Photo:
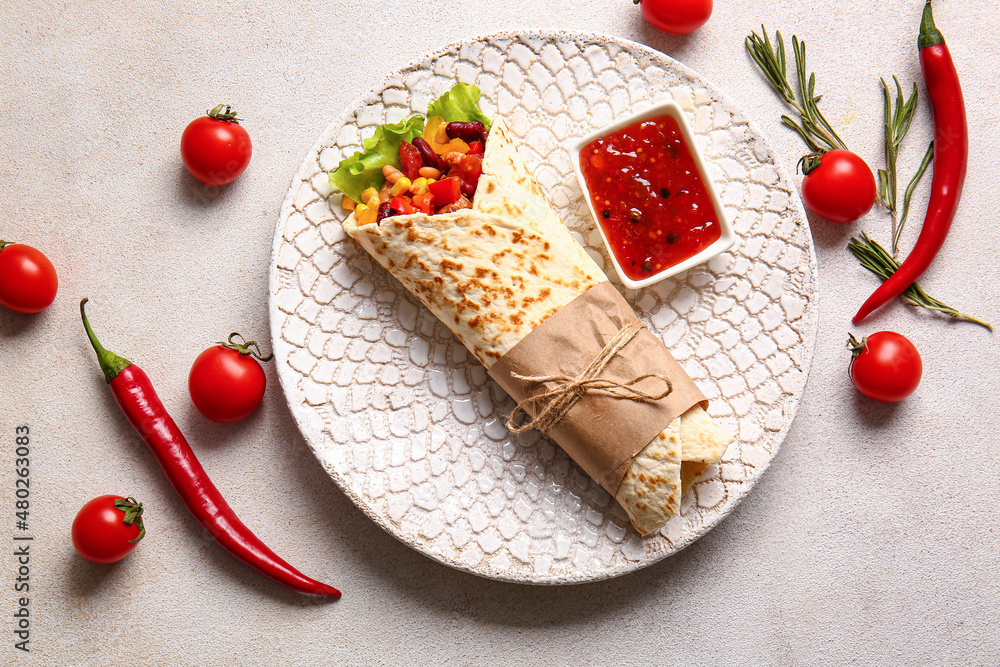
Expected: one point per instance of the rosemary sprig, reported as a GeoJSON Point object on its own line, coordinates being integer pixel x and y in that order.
{"type": "Point", "coordinates": [897, 119]}
{"type": "Point", "coordinates": [897, 122]}
{"type": "Point", "coordinates": [876, 259]}
{"type": "Point", "coordinates": [813, 127]}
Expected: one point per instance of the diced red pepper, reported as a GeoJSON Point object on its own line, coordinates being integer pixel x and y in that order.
{"type": "Point", "coordinates": [401, 206]}
{"type": "Point", "coordinates": [475, 148]}
{"type": "Point", "coordinates": [410, 158]}
{"type": "Point", "coordinates": [445, 191]}
{"type": "Point", "coordinates": [424, 202]}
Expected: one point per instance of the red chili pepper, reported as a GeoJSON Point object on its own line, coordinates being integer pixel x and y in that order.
{"type": "Point", "coordinates": [138, 401]}
{"type": "Point", "coordinates": [951, 153]}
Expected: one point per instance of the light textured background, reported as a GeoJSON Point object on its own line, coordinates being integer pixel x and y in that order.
{"type": "Point", "coordinates": [871, 539]}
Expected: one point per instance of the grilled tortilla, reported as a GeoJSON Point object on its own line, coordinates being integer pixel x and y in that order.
{"type": "Point", "coordinates": [493, 273]}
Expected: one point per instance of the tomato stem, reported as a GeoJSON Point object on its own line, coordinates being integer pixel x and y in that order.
{"type": "Point", "coordinates": [245, 346]}
{"type": "Point", "coordinates": [4, 244]}
{"type": "Point", "coordinates": [856, 347]}
{"type": "Point", "coordinates": [228, 115]}
{"type": "Point", "coordinates": [133, 515]}
{"type": "Point", "coordinates": [809, 163]}
{"type": "Point", "coordinates": [111, 363]}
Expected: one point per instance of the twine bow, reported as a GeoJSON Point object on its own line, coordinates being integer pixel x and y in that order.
{"type": "Point", "coordinates": [568, 390]}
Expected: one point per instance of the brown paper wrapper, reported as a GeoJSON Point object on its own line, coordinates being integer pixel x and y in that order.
{"type": "Point", "coordinates": [602, 433]}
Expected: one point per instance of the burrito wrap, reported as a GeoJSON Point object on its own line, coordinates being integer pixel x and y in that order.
{"type": "Point", "coordinates": [494, 273]}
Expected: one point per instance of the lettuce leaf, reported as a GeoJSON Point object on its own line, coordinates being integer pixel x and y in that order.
{"type": "Point", "coordinates": [363, 170]}
{"type": "Point", "coordinates": [461, 103]}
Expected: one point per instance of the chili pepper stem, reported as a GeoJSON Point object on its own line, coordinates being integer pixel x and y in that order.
{"type": "Point", "coordinates": [111, 363]}
{"type": "Point", "coordinates": [929, 34]}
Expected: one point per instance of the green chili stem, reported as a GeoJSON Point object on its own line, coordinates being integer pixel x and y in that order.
{"type": "Point", "coordinates": [111, 363]}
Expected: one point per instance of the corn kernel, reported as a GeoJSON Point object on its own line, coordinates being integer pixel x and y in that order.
{"type": "Point", "coordinates": [400, 186]}
{"type": "Point", "coordinates": [359, 210]}
{"type": "Point", "coordinates": [347, 203]}
{"type": "Point", "coordinates": [367, 193]}
{"type": "Point", "coordinates": [373, 201]}
{"type": "Point", "coordinates": [431, 180]}
{"type": "Point", "coordinates": [368, 216]}
{"type": "Point", "coordinates": [419, 186]}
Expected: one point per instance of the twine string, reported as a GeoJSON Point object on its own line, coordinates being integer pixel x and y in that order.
{"type": "Point", "coordinates": [556, 402]}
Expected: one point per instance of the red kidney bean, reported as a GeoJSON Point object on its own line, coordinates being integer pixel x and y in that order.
{"type": "Point", "coordinates": [426, 152]}
{"type": "Point", "coordinates": [468, 189]}
{"type": "Point", "coordinates": [469, 131]}
{"type": "Point", "coordinates": [384, 211]}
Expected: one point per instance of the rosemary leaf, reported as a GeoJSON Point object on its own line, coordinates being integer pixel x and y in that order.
{"type": "Point", "coordinates": [876, 259]}
{"type": "Point", "coordinates": [909, 193]}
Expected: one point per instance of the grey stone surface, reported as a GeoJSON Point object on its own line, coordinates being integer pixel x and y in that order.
{"type": "Point", "coordinates": [871, 539]}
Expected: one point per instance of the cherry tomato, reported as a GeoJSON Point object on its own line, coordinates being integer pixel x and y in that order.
{"type": "Point", "coordinates": [841, 188]}
{"type": "Point", "coordinates": [678, 17]}
{"type": "Point", "coordinates": [226, 382]}
{"type": "Point", "coordinates": [107, 528]}
{"type": "Point", "coordinates": [885, 366]}
{"type": "Point", "coordinates": [469, 169]}
{"type": "Point", "coordinates": [215, 148]}
{"type": "Point", "coordinates": [28, 280]}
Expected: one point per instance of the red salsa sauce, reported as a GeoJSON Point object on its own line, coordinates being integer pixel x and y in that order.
{"type": "Point", "coordinates": [650, 199]}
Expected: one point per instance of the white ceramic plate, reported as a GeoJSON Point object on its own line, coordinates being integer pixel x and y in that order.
{"type": "Point", "coordinates": [408, 424]}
